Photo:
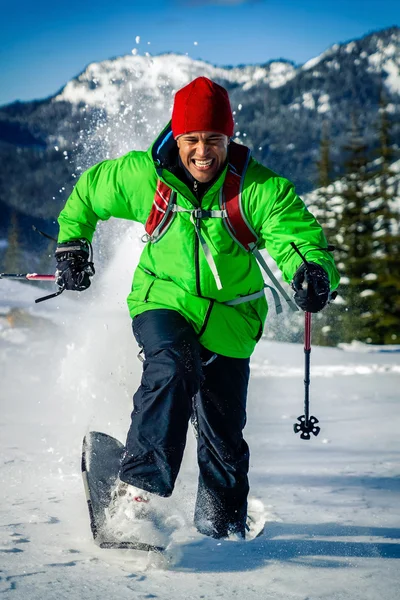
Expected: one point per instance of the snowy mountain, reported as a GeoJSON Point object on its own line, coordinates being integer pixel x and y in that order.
{"type": "Point", "coordinates": [121, 104]}
{"type": "Point", "coordinates": [107, 84]}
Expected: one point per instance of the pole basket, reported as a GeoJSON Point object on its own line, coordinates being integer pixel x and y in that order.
{"type": "Point", "coordinates": [306, 428]}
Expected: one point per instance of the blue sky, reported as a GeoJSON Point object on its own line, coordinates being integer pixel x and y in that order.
{"type": "Point", "coordinates": [44, 44]}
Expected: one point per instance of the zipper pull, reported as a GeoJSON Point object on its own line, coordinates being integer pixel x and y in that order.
{"type": "Point", "coordinates": [195, 187]}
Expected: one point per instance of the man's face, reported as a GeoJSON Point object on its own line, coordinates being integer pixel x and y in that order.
{"type": "Point", "coordinates": [203, 153]}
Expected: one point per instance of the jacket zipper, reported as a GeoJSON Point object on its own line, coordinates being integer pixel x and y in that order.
{"type": "Point", "coordinates": [197, 264]}
{"type": "Point", "coordinates": [207, 318]}
{"type": "Point", "coordinates": [196, 249]}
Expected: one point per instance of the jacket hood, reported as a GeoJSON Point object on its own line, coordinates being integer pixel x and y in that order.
{"type": "Point", "coordinates": [164, 150]}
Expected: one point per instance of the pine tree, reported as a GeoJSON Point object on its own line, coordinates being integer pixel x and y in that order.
{"type": "Point", "coordinates": [384, 318]}
{"type": "Point", "coordinates": [355, 237]}
{"type": "Point", "coordinates": [326, 204]}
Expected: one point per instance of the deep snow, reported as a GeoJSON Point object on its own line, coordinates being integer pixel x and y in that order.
{"type": "Point", "coordinates": [333, 502]}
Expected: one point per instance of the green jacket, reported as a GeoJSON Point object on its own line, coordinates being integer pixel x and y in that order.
{"type": "Point", "coordinates": [173, 272]}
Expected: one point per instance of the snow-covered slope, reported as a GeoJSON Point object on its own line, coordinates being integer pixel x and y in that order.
{"type": "Point", "coordinates": [112, 82]}
{"type": "Point", "coordinates": [387, 58]}
{"type": "Point", "coordinates": [380, 54]}
{"type": "Point", "coordinates": [333, 502]}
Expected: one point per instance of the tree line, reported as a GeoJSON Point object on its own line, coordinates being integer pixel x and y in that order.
{"type": "Point", "coordinates": [360, 213]}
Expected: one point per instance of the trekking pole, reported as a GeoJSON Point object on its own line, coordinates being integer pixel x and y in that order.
{"type": "Point", "coordinates": [306, 424]}
{"type": "Point", "coordinates": [28, 276]}
{"type": "Point", "coordinates": [34, 277]}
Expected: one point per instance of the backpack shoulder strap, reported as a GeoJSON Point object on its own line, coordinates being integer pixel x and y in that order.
{"type": "Point", "coordinates": [161, 213]}
{"type": "Point", "coordinates": [238, 226]}
{"type": "Point", "coordinates": [231, 199]}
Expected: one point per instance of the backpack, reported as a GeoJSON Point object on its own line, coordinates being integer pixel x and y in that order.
{"type": "Point", "coordinates": [164, 209]}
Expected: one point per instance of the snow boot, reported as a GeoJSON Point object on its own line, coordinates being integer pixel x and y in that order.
{"type": "Point", "coordinates": [131, 516]}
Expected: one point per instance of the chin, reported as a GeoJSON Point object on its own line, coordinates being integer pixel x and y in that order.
{"type": "Point", "coordinates": [203, 177]}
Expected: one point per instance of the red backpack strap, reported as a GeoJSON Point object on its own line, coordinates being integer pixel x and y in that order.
{"type": "Point", "coordinates": [239, 227]}
{"type": "Point", "coordinates": [231, 201]}
{"type": "Point", "coordinates": [161, 214]}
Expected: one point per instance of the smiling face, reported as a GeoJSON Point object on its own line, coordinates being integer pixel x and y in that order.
{"type": "Point", "coordinates": [203, 153]}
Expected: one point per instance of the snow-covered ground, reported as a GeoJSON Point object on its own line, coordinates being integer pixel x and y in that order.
{"type": "Point", "coordinates": [333, 501]}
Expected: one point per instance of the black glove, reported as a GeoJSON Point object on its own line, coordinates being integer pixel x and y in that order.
{"type": "Point", "coordinates": [311, 284]}
{"type": "Point", "coordinates": [74, 265]}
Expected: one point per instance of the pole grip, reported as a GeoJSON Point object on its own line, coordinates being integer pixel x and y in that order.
{"type": "Point", "coordinates": [36, 277]}
{"type": "Point", "coordinates": [28, 276]}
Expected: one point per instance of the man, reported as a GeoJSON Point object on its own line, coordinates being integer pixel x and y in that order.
{"type": "Point", "coordinates": [197, 300]}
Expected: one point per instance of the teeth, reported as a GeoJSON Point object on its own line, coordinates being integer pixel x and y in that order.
{"type": "Point", "coordinates": [203, 163]}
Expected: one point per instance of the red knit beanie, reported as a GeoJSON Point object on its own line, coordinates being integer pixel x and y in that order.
{"type": "Point", "coordinates": [202, 105]}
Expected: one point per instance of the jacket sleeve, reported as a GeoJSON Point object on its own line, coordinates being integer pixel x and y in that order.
{"type": "Point", "coordinates": [113, 188]}
{"type": "Point", "coordinates": [280, 217]}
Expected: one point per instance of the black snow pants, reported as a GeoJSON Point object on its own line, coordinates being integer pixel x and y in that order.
{"type": "Point", "coordinates": [178, 385]}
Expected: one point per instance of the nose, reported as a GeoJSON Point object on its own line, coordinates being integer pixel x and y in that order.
{"type": "Point", "coordinates": [201, 149]}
